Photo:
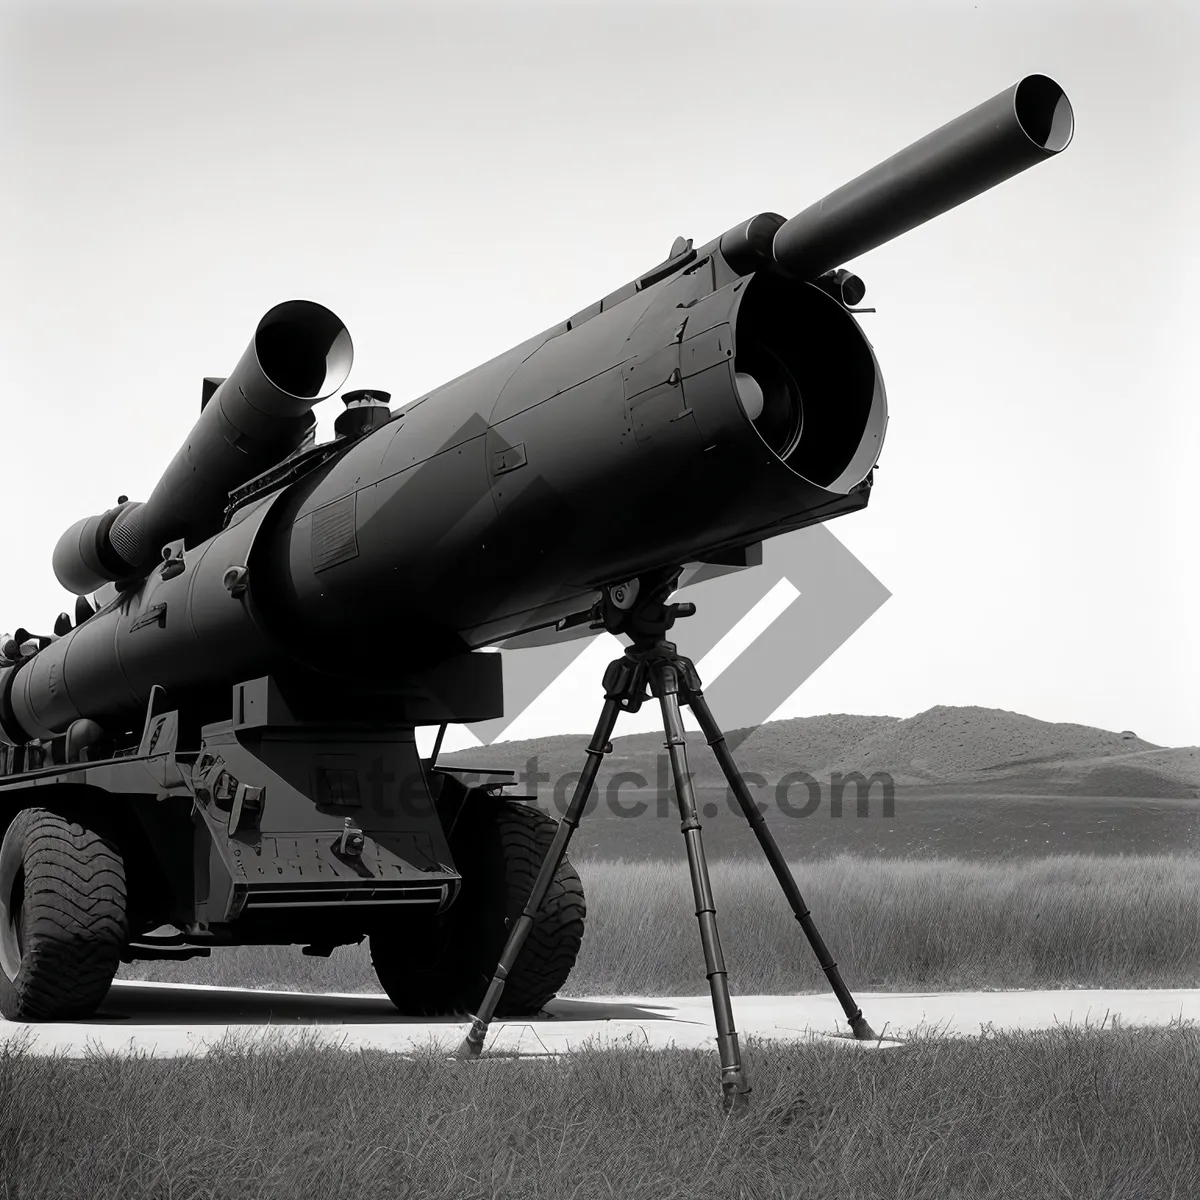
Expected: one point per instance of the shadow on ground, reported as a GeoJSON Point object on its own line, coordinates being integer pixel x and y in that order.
{"type": "Point", "coordinates": [181, 1004]}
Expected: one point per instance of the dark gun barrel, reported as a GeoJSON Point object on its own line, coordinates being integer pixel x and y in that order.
{"type": "Point", "coordinates": [1029, 122]}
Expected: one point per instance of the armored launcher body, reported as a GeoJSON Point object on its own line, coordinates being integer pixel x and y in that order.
{"type": "Point", "coordinates": [223, 740]}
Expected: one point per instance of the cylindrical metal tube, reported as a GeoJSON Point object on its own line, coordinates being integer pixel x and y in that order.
{"type": "Point", "coordinates": [184, 631]}
{"type": "Point", "coordinates": [1029, 122]}
{"type": "Point", "coordinates": [300, 354]}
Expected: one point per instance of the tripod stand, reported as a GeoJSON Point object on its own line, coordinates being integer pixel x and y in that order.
{"type": "Point", "coordinates": [638, 608]}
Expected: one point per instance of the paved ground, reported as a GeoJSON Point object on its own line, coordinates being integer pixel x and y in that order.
{"type": "Point", "coordinates": [169, 1019]}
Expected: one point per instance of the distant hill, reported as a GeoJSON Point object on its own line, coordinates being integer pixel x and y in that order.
{"type": "Point", "coordinates": [965, 749]}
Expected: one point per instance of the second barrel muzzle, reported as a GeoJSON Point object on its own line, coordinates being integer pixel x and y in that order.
{"type": "Point", "coordinates": [1029, 122]}
{"type": "Point", "coordinates": [300, 354]}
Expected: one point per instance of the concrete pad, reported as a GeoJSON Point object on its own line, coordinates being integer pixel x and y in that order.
{"type": "Point", "coordinates": [172, 1019]}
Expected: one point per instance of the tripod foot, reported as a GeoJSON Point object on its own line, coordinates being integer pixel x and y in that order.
{"type": "Point", "coordinates": [472, 1044]}
{"type": "Point", "coordinates": [861, 1030]}
{"type": "Point", "coordinates": [735, 1097]}
{"type": "Point", "coordinates": [766, 840]}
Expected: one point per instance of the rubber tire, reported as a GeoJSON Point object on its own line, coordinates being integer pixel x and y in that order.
{"type": "Point", "coordinates": [72, 917]}
{"type": "Point", "coordinates": [441, 966]}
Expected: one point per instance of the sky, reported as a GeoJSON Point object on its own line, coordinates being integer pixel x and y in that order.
{"type": "Point", "coordinates": [452, 180]}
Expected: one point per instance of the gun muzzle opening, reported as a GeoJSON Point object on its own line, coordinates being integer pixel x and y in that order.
{"type": "Point", "coordinates": [1044, 113]}
{"type": "Point", "coordinates": [807, 380]}
{"type": "Point", "coordinates": [1017, 128]}
{"type": "Point", "coordinates": [303, 350]}
{"type": "Point", "coordinates": [300, 353]}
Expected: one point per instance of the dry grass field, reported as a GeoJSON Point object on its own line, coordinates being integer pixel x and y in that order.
{"type": "Point", "coordinates": [1065, 1114]}
{"type": "Point", "coordinates": [1058, 1115]}
{"type": "Point", "coordinates": [892, 925]}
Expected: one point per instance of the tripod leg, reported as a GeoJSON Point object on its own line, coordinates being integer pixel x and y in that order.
{"type": "Point", "coordinates": [734, 1087]}
{"type": "Point", "coordinates": [716, 739]}
{"type": "Point", "coordinates": [597, 748]}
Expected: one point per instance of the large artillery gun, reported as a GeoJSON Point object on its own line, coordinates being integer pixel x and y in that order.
{"type": "Point", "coordinates": [222, 740]}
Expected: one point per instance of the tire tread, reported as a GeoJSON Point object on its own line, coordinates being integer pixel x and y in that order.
{"type": "Point", "coordinates": [75, 918]}
{"type": "Point", "coordinates": [550, 950]}
{"type": "Point", "coordinates": [499, 872]}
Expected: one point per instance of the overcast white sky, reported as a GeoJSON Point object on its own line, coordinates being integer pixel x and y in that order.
{"type": "Point", "coordinates": [452, 180]}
